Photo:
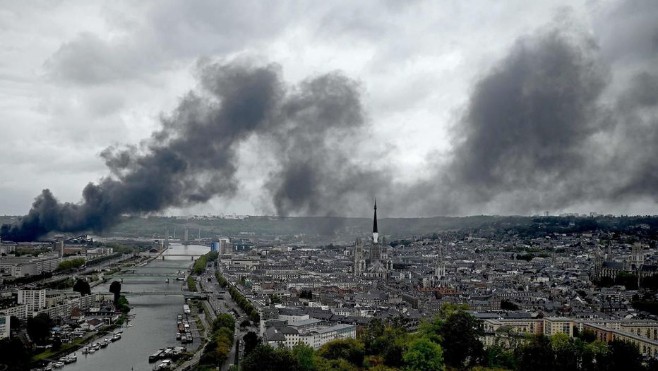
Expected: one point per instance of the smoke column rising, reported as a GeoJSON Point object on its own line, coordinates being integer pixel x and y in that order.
{"type": "Point", "coordinates": [193, 157]}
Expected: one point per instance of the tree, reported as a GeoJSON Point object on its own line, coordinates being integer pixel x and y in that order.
{"type": "Point", "coordinates": [350, 350]}
{"type": "Point", "coordinates": [115, 288]}
{"type": "Point", "coordinates": [275, 299]}
{"type": "Point", "coordinates": [423, 355]}
{"type": "Point", "coordinates": [70, 264]}
{"type": "Point", "coordinates": [266, 358]}
{"type": "Point", "coordinates": [385, 341]}
{"type": "Point", "coordinates": [251, 341]}
{"type": "Point", "coordinates": [82, 287]}
{"type": "Point", "coordinates": [373, 332]}
{"type": "Point", "coordinates": [499, 357]}
{"type": "Point", "coordinates": [223, 320]}
{"type": "Point", "coordinates": [432, 329]}
{"type": "Point", "coordinates": [460, 343]}
{"type": "Point", "coordinates": [536, 355]}
{"type": "Point", "coordinates": [624, 356]}
{"type": "Point", "coordinates": [38, 327]}
{"type": "Point", "coordinates": [14, 354]}
{"type": "Point", "coordinates": [595, 354]}
{"type": "Point", "coordinates": [57, 343]}
{"type": "Point", "coordinates": [335, 365]}
{"type": "Point", "coordinates": [448, 309]}
{"type": "Point", "coordinates": [224, 340]}
{"type": "Point", "coordinates": [212, 256]}
{"type": "Point", "coordinates": [567, 352]}
{"type": "Point", "coordinates": [122, 305]}
{"type": "Point", "coordinates": [305, 356]}
{"type": "Point", "coordinates": [14, 323]}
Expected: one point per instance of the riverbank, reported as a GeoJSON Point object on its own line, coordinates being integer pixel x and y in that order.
{"type": "Point", "coordinates": [40, 360]}
{"type": "Point", "coordinates": [50, 356]}
{"type": "Point", "coordinates": [155, 304]}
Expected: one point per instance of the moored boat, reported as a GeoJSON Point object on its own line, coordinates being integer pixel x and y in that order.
{"type": "Point", "coordinates": [155, 356]}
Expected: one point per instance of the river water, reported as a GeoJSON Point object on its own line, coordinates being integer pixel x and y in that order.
{"type": "Point", "coordinates": [154, 323]}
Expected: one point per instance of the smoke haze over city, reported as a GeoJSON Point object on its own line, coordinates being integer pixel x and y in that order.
{"type": "Point", "coordinates": [249, 108]}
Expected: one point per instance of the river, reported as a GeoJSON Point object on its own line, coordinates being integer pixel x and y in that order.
{"type": "Point", "coordinates": [154, 322]}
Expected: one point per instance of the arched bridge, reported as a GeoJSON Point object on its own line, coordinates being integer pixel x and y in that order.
{"type": "Point", "coordinates": [134, 273]}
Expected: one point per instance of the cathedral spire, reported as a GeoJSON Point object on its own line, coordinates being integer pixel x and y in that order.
{"type": "Point", "coordinates": [375, 234]}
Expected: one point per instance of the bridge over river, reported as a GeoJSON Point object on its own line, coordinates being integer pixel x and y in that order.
{"type": "Point", "coordinates": [186, 294]}
{"type": "Point", "coordinates": [134, 273]}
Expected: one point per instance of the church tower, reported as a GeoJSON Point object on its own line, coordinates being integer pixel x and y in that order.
{"type": "Point", "coordinates": [598, 263]}
{"type": "Point", "coordinates": [375, 248]}
{"type": "Point", "coordinates": [440, 268]}
{"type": "Point", "coordinates": [375, 233]}
{"type": "Point", "coordinates": [637, 256]}
{"type": "Point", "coordinates": [359, 258]}
{"type": "Point", "coordinates": [379, 264]}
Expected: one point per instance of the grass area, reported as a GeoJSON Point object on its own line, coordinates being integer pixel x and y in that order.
{"type": "Point", "coordinates": [199, 325]}
{"type": "Point", "coordinates": [206, 311]}
{"type": "Point", "coordinates": [65, 349]}
{"type": "Point", "coordinates": [77, 343]}
{"type": "Point", "coordinates": [191, 283]}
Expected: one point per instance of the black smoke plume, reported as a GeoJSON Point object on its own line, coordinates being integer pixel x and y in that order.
{"type": "Point", "coordinates": [529, 120]}
{"type": "Point", "coordinates": [193, 157]}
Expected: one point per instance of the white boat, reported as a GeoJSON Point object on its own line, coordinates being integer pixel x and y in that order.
{"type": "Point", "coordinates": [69, 359]}
{"type": "Point", "coordinates": [58, 364]}
{"type": "Point", "coordinates": [164, 365]}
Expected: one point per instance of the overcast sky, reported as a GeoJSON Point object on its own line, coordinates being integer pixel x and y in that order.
{"type": "Point", "coordinates": [450, 107]}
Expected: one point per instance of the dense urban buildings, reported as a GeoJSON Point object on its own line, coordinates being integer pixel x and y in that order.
{"type": "Point", "coordinates": [551, 278]}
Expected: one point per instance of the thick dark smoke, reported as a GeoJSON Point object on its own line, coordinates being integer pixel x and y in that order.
{"type": "Point", "coordinates": [562, 120]}
{"type": "Point", "coordinates": [193, 157]}
{"type": "Point", "coordinates": [320, 130]}
{"type": "Point", "coordinates": [190, 160]}
{"type": "Point", "coordinates": [528, 120]}
{"type": "Point", "coordinates": [568, 118]}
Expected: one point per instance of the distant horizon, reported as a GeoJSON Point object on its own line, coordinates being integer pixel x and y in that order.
{"type": "Point", "coordinates": [229, 216]}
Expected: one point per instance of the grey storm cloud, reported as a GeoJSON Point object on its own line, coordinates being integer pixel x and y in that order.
{"type": "Point", "coordinates": [89, 60]}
